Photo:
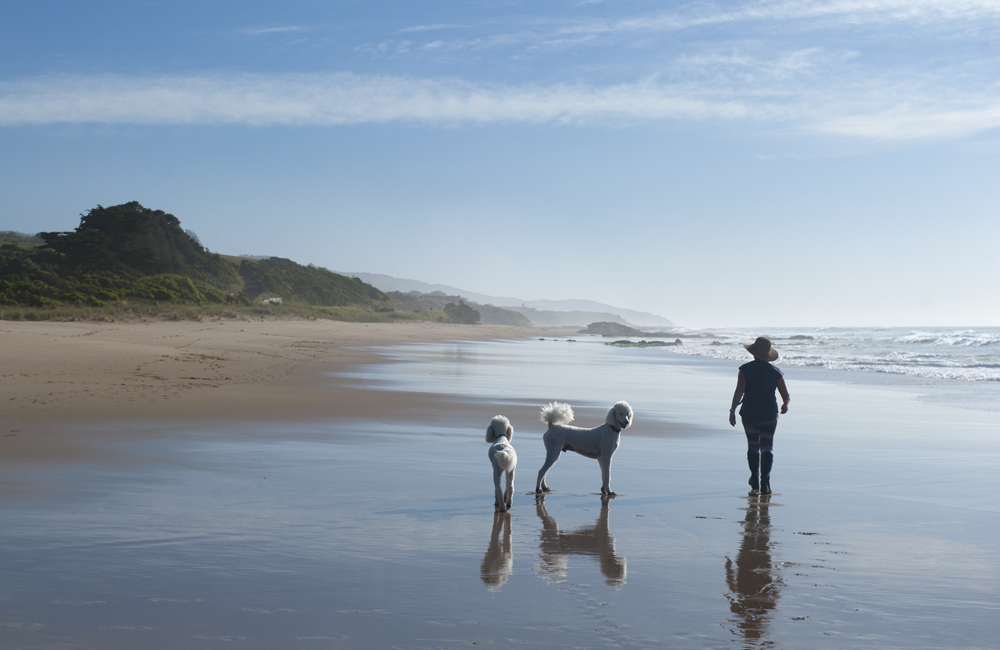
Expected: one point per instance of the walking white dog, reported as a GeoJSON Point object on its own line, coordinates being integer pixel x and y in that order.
{"type": "Point", "coordinates": [599, 443]}
{"type": "Point", "coordinates": [503, 458]}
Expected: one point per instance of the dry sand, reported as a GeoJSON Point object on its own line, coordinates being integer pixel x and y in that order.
{"type": "Point", "coordinates": [59, 376]}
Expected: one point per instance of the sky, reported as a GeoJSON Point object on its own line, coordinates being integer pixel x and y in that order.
{"type": "Point", "coordinates": [758, 163]}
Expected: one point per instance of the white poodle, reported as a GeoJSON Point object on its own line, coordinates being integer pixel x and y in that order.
{"type": "Point", "coordinates": [503, 459]}
{"type": "Point", "coordinates": [599, 442]}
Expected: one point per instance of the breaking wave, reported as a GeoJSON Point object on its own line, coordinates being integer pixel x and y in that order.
{"type": "Point", "coordinates": [962, 354]}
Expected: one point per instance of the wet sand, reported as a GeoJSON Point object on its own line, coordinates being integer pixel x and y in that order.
{"type": "Point", "coordinates": [366, 519]}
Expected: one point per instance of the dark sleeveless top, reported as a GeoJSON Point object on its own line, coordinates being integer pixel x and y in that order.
{"type": "Point", "coordinates": [759, 403]}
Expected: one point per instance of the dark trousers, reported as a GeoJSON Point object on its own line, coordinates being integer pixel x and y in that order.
{"type": "Point", "coordinates": [760, 455]}
{"type": "Point", "coordinates": [760, 434]}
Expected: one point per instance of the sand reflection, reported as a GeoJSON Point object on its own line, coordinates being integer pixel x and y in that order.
{"type": "Point", "coordinates": [556, 546]}
{"type": "Point", "coordinates": [753, 584]}
{"type": "Point", "coordinates": [498, 563]}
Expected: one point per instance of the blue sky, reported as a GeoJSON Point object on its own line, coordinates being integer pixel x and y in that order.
{"type": "Point", "coordinates": [761, 163]}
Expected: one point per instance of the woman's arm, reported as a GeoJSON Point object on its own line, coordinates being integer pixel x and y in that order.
{"type": "Point", "coordinates": [741, 386]}
{"type": "Point", "coordinates": [783, 391]}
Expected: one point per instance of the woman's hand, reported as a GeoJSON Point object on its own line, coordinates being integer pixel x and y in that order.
{"type": "Point", "coordinates": [732, 417]}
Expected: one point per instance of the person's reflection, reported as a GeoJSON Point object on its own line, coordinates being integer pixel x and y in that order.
{"type": "Point", "coordinates": [753, 585]}
{"type": "Point", "coordinates": [499, 560]}
{"type": "Point", "coordinates": [556, 546]}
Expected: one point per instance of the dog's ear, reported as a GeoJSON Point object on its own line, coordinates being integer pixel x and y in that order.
{"type": "Point", "coordinates": [490, 436]}
{"type": "Point", "coordinates": [612, 418]}
{"type": "Point", "coordinates": [510, 433]}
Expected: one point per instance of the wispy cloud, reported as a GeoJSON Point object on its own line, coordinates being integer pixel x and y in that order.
{"type": "Point", "coordinates": [346, 99]}
{"type": "Point", "coordinates": [263, 31]}
{"type": "Point", "coordinates": [914, 124]}
{"type": "Point", "coordinates": [307, 99]}
{"type": "Point", "coordinates": [856, 12]}
{"type": "Point", "coordinates": [831, 85]}
{"type": "Point", "coordinates": [426, 28]}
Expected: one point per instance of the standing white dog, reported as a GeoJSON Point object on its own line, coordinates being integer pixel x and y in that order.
{"type": "Point", "coordinates": [599, 443]}
{"type": "Point", "coordinates": [503, 458]}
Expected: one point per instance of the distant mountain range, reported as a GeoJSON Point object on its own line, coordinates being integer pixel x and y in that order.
{"type": "Point", "coordinates": [543, 313]}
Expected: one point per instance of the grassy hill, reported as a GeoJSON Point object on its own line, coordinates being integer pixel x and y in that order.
{"type": "Point", "coordinates": [130, 260]}
{"type": "Point", "coordinates": [488, 314]}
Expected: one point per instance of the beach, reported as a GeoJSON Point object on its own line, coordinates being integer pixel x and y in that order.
{"type": "Point", "coordinates": [283, 484]}
{"type": "Point", "coordinates": [58, 375]}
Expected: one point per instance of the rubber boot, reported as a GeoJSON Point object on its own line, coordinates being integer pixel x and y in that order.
{"type": "Point", "coordinates": [753, 460]}
{"type": "Point", "coordinates": [766, 460]}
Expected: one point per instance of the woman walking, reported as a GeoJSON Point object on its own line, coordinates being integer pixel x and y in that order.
{"type": "Point", "coordinates": [755, 388]}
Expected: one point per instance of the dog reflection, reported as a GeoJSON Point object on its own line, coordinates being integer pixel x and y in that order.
{"type": "Point", "coordinates": [499, 561]}
{"type": "Point", "coordinates": [753, 584]}
{"type": "Point", "coordinates": [593, 541]}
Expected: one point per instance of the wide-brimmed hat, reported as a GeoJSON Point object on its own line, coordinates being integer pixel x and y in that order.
{"type": "Point", "coordinates": [761, 349]}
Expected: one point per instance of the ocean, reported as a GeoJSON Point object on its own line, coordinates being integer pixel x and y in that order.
{"type": "Point", "coordinates": [961, 354]}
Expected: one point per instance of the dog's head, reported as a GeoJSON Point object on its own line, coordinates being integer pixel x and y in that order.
{"type": "Point", "coordinates": [499, 426]}
{"type": "Point", "coordinates": [620, 416]}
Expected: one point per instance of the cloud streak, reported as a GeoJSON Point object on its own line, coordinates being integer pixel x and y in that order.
{"type": "Point", "coordinates": [844, 12]}
{"type": "Point", "coordinates": [334, 99]}
{"type": "Point", "coordinates": [264, 31]}
{"type": "Point", "coordinates": [348, 99]}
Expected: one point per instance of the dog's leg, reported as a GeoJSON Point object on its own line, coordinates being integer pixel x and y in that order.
{"type": "Point", "coordinates": [508, 494]}
{"type": "Point", "coordinates": [551, 456]}
{"type": "Point", "coordinates": [605, 462]}
{"type": "Point", "coordinates": [499, 499]}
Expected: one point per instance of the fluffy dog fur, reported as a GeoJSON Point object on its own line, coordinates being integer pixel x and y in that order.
{"type": "Point", "coordinates": [503, 458]}
{"type": "Point", "coordinates": [599, 443]}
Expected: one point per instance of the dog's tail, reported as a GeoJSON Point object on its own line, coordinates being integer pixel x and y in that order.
{"type": "Point", "coordinates": [499, 426]}
{"type": "Point", "coordinates": [507, 459]}
{"type": "Point", "coordinates": [557, 413]}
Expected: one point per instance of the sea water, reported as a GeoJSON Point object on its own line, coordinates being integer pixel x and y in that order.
{"type": "Point", "coordinates": [381, 532]}
{"type": "Point", "coordinates": [950, 353]}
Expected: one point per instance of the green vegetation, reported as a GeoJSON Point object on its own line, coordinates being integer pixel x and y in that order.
{"type": "Point", "coordinates": [461, 313]}
{"type": "Point", "coordinates": [293, 282]}
{"type": "Point", "coordinates": [10, 237]}
{"type": "Point", "coordinates": [122, 253]}
{"type": "Point", "coordinates": [438, 301]}
{"type": "Point", "coordinates": [127, 261]}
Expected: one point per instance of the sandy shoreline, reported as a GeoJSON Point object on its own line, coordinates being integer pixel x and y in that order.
{"type": "Point", "coordinates": [60, 376]}
{"type": "Point", "coordinates": [174, 484]}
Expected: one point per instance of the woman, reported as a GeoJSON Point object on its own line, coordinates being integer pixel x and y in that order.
{"type": "Point", "coordinates": [755, 387]}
